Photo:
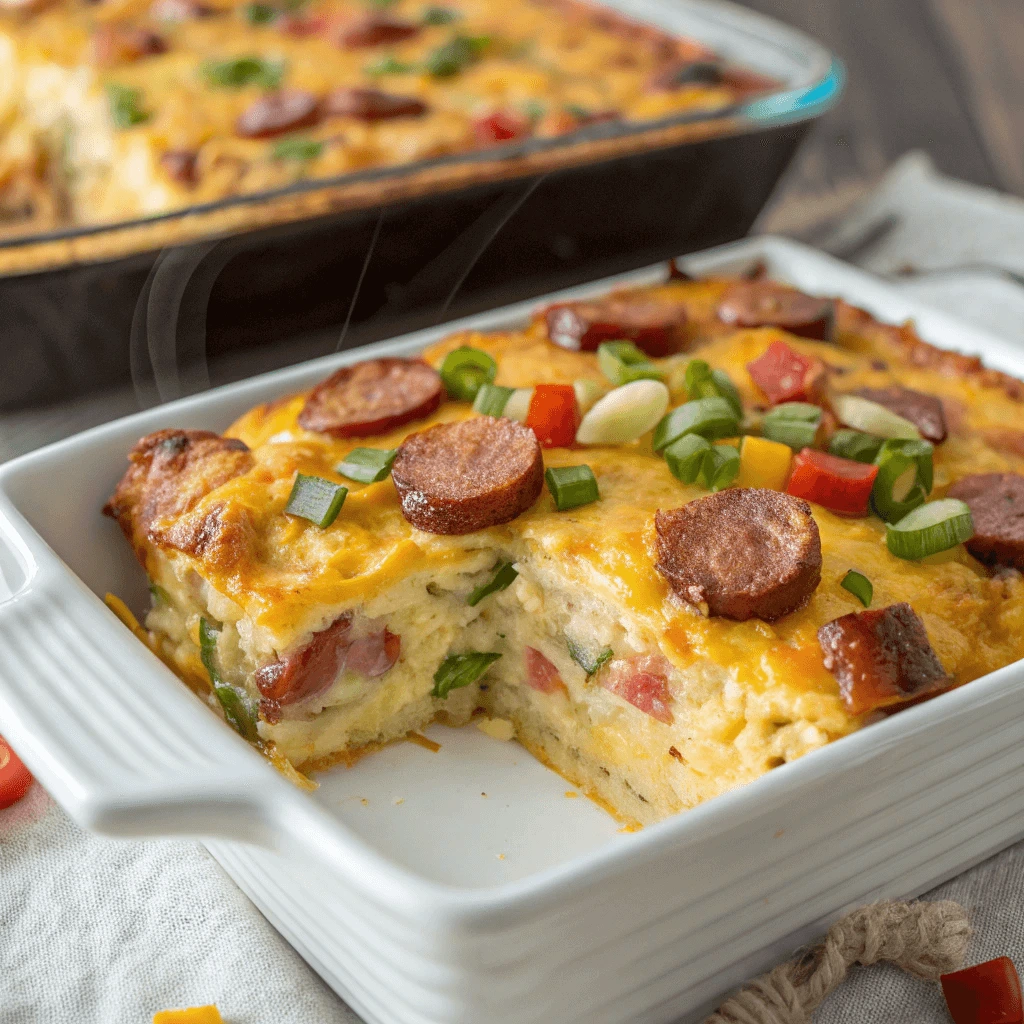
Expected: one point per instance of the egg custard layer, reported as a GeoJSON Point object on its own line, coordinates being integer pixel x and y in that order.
{"type": "Point", "coordinates": [638, 696]}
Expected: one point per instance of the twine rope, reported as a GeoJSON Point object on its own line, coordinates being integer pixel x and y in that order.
{"type": "Point", "coordinates": [924, 939]}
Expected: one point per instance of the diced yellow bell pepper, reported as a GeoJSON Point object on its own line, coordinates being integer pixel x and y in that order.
{"type": "Point", "coordinates": [196, 1015]}
{"type": "Point", "coordinates": [764, 463]}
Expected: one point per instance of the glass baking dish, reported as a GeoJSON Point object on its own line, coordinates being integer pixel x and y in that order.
{"type": "Point", "coordinates": [403, 247]}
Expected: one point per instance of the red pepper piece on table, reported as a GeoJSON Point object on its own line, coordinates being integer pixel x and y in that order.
{"type": "Point", "coordinates": [841, 485]}
{"type": "Point", "coordinates": [554, 415]}
{"type": "Point", "coordinates": [987, 993]}
{"type": "Point", "coordinates": [15, 778]}
{"type": "Point", "coordinates": [785, 375]}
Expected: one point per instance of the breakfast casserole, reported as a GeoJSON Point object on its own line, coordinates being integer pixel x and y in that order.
{"type": "Point", "coordinates": [670, 538]}
{"type": "Point", "coordinates": [124, 109]}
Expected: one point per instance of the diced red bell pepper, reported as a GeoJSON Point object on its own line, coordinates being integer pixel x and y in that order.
{"type": "Point", "coordinates": [554, 415]}
{"type": "Point", "coordinates": [841, 485]}
{"type": "Point", "coordinates": [15, 779]}
{"type": "Point", "coordinates": [785, 375]}
{"type": "Point", "coordinates": [643, 682]}
{"type": "Point", "coordinates": [987, 993]}
{"type": "Point", "coordinates": [541, 674]}
{"type": "Point", "coordinates": [501, 126]}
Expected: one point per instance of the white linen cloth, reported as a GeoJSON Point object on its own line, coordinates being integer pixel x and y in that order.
{"type": "Point", "coordinates": [97, 931]}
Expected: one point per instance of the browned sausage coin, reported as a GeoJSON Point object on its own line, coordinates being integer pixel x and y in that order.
{"type": "Point", "coordinates": [181, 165]}
{"type": "Point", "coordinates": [770, 304]}
{"type": "Point", "coordinates": [996, 501]}
{"type": "Point", "coordinates": [460, 477]}
{"type": "Point", "coordinates": [924, 411]}
{"type": "Point", "coordinates": [881, 657]}
{"type": "Point", "coordinates": [376, 30]}
{"type": "Point", "coordinates": [372, 105]}
{"type": "Point", "coordinates": [744, 553]}
{"type": "Point", "coordinates": [653, 325]}
{"type": "Point", "coordinates": [372, 397]}
{"type": "Point", "coordinates": [277, 113]}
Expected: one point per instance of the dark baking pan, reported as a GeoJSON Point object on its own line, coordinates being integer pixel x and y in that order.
{"type": "Point", "coordinates": [353, 260]}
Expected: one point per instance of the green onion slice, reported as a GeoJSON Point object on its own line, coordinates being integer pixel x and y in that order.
{"type": "Point", "coordinates": [930, 528]}
{"type": "Point", "coordinates": [440, 16]}
{"type": "Point", "coordinates": [239, 708]}
{"type": "Point", "coordinates": [685, 457]}
{"type": "Point", "coordinates": [465, 370]}
{"type": "Point", "coordinates": [125, 106]}
{"type": "Point", "coordinates": [389, 66]}
{"type": "Point", "coordinates": [260, 14]}
{"type": "Point", "coordinates": [712, 418]}
{"type": "Point", "coordinates": [458, 670]}
{"type": "Point", "coordinates": [159, 595]}
{"type": "Point", "coordinates": [491, 399]}
{"type": "Point", "coordinates": [588, 659]}
{"type": "Point", "coordinates": [572, 486]}
{"type": "Point", "coordinates": [242, 71]}
{"type": "Point", "coordinates": [721, 466]}
{"type": "Point", "coordinates": [518, 404]}
{"type": "Point", "coordinates": [316, 499]}
{"type": "Point", "coordinates": [299, 150]}
{"type": "Point", "coordinates": [455, 55]}
{"type": "Point", "coordinates": [704, 382]}
{"type": "Point", "coordinates": [587, 393]}
{"type": "Point", "coordinates": [622, 362]}
{"type": "Point", "coordinates": [855, 445]}
{"type": "Point", "coordinates": [859, 585]}
{"type": "Point", "coordinates": [502, 578]}
{"type": "Point", "coordinates": [863, 414]}
{"type": "Point", "coordinates": [367, 465]}
{"type": "Point", "coordinates": [625, 413]}
{"type": "Point", "coordinates": [904, 478]}
{"type": "Point", "coordinates": [793, 423]}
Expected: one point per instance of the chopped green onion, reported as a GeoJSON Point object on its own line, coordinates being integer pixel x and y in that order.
{"type": "Point", "coordinates": [491, 399]}
{"type": "Point", "coordinates": [316, 499]}
{"type": "Point", "coordinates": [389, 66]}
{"type": "Point", "coordinates": [518, 404]}
{"type": "Point", "coordinates": [588, 660]}
{"type": "Point", "coordinates": [712, 418]}
{"type": "Point", "coordinates": [863, 414]}
{"type": "Point", "coordinates": [685, 457]}
{"type": "Point", "coordinates": [793, 423]}
{"type": "Point", "coordinates": [930, 528]}
{"type": "Point", "coordinates": [239, 708]}
{"type": "Point", "coordinates": [855, 445]}
{"type": "Point", "coordinates": [260, 14]}
{"type": "Point", "coordinates": [721, 466]}
{"type": "Point", "coordinates": [242, 71]}
{"type": "Point", "coordinates": [572, 486]}
{"type": "Point", "coordinates": [458, 670]}
{"type": "Point", "coordinates": [503, 577]}
{"type": "Point", "coordinates": [625, 414]}
{"type": "Point", "coordinates": [465, 370]}
{"type": "Point", "coordinates": [455, 55]}
{"type": "Point", "coordinates": [704, 382]}
{"type": "Point", "coordinates": [904, 478]}
{"type": "Point", "coordinates": [534, 110]}
{"type": "Point", "coordinates": [125, 108]}
{"type": "Point", "coordinates": [859, 585]}
{"type": "Point", "coordinates": [440, 16]}
{"type": "Point", "coordinates": [587, 393]}
{"type": "Point", "coordinates": [622, 361]}
{"type": "Point", "coordinates": [368, 465]}
{"type": "Point", "coordinates": [297, 149]}
{"type": "Point", "coordinates": [159, 594]}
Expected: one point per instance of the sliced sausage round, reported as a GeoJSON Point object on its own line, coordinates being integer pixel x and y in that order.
{"type": "Point", "coordinates": [996, 501]}
{"type": "Point", "coordinates": [653, 325]}
{"type": "Point", "coordinates": [122, 44]}
{"type": "Point", "coordinates": [372, 105]}
{"type": "Point", "coordinates": [460, 477]}
{"type": "Point", "coordinates": [372, 397]}
{"type": "Point", "coordinates": [923, 410]}
{"type": "Point", "coordinates": [181, 165]}
{"type": "Point", "coordinates": [770, 304]}
{"type": "Point", "coordinates": [277, 113]}
{"type": "Point", "coordinates": [376, 30]}
{"type": "Point", "coordinates": [744, 553]}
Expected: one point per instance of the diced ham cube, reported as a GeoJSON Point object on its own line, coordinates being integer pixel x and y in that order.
{"type": "Point", "coordinates": [541, 675]}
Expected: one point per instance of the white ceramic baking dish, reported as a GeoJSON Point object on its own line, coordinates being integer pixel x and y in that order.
{"type": "Point", "coordinates": [464, 886]}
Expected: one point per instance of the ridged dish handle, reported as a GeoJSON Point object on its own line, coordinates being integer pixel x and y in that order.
{"type": "Point", "coordinates": [105, 726]}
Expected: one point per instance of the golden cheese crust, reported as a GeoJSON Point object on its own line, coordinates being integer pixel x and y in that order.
{"type": "Point", "coordinates": [730, 698]}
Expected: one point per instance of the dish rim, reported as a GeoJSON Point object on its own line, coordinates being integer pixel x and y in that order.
{"type": "Point", "coordinates": [293, 819]}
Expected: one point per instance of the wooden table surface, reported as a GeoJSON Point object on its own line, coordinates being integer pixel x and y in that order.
{"type": "Point", "coordinates": [945, 76]}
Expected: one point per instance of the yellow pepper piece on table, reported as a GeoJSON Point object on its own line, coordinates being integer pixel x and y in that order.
{"type": "Point", "coordinates": [196, 1015]}
{"type": "Point", "coordinates": [764, 463]}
